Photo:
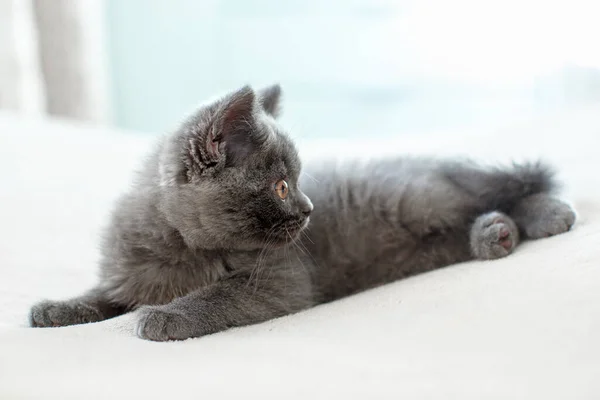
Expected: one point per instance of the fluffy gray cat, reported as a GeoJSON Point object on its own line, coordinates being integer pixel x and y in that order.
{"type": "Point", "coordinates": [215, 232]}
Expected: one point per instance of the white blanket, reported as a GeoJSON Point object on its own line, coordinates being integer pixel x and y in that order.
{"type": "Point", "coordinates": [524, 327]}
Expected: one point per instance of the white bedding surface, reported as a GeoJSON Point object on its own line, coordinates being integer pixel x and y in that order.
{"type": "Point", "coordinates": [524, 327]}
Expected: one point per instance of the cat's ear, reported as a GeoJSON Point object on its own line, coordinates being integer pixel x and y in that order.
{"type": "Point", "coordinates": [270, 100]}
{"type": "Point", "coordinates": [229, 133]}
{"type": "Point", "coordinates": [220, 133]}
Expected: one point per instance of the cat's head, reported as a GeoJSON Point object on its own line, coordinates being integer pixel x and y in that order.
{"type": "Point", "coordinates": [229, 175]}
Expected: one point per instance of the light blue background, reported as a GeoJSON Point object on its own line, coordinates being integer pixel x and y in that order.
{"type": "Point", "coordinates": [345, 66]}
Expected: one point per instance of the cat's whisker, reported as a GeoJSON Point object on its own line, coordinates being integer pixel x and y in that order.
{"type": "Point", "coordinates": [306, 236]}
{"type": "Point", "coordinates": [259, 262]}
{"type": "Point", "coordinates": [271, 268]}
{"type": "Point", "coordinates": [302, 247]}
{"type": "Point", "coordinates": [288, 258]}
{"type": "Point", "coordinates": [297, 244]}
{"type": "Point", "coordinates": [261, 255]}
{"type": "Point", "coordinates": [268, 247]}
{"type": "Point", "coordinates": [315, 180]}
{"type": "Point", "coordinates": [298, 257]}
{"type": "Point", "coordinates": [286, 255]}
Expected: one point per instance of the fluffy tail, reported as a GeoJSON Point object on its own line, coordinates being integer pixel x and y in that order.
{"type": "Point", "coordinates": [502, 188]}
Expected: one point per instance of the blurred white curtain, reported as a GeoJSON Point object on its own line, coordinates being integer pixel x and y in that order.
{"type": "Point", "coordinates": [53, 59]}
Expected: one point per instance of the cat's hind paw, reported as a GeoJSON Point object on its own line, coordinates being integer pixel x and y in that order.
{"type": "Point", "coordinates": [493, 235]}
{"type": "Point", "coordinates": [544, 216]}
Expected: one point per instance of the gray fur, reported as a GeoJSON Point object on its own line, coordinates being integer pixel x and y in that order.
{"type": "Point", "coordinates": [202, 242]}
{"type": "Point", "coordinates": [543, 216]}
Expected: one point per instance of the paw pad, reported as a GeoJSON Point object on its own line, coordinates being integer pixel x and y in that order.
{"type": "Point", "coordinates": [493, 235]}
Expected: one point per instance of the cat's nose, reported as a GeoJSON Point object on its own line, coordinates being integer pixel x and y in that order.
{"type": "Point", "coordinates": [306, 207]}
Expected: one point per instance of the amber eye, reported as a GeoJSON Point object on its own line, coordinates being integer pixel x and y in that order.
{"type": "Point", "coordinates": [281, 188]}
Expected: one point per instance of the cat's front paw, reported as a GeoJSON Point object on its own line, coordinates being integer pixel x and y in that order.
{"type": "Point", "coordinates": [159, 323]}
{"type": "Point", "coordinates": [62, 313]}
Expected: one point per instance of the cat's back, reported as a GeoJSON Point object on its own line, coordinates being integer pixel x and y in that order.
{"type": "Point", "coordinates": [353, 196]}
{"type": "Point", "coordinates": [370, 217]}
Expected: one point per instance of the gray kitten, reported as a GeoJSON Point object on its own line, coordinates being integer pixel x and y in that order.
{"type": "Point", "coordinates": [215, 232]}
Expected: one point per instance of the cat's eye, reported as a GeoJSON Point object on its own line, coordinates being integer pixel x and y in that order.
{"type": "Point", "coordinates": [281, 188]}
